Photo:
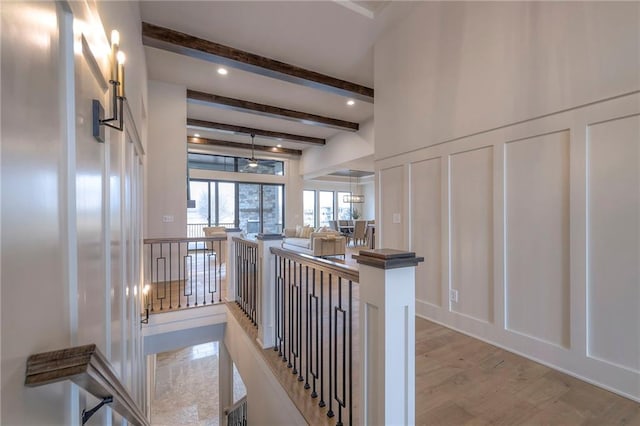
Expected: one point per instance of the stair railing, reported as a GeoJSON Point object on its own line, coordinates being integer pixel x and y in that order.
{"type": "Point", "coordinates": [88, 368]}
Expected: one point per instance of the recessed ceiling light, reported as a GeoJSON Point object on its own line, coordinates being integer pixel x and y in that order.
{"type": "Point", "coordinates": [222, 71]}
{"type": "Point", "coordinates": [279, 145]}
{"type": "Point", "coordinates": [197, 135]}
{"type": "Point", "coordinates": [351, 102]}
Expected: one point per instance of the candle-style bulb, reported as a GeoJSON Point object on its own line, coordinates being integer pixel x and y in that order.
{"type": "Point", "coordinates": [120, 57]}
{"type": "Point", "coordinates": [115, 38]}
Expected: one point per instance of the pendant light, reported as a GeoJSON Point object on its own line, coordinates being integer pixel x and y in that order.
{"type": "Point", "coordinates": [352, 198]}
{"type": "Point", "coordinates": [253, 163]}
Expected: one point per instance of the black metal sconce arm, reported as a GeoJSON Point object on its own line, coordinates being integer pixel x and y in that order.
{"type": "Point", "coordinates": [117, 110]}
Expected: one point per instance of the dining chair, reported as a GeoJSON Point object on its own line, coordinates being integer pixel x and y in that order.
{"type": "Point", "coordinates": [359, 232]}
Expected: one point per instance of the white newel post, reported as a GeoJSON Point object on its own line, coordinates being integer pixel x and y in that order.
{"type": "Point", "coordinates": [231, 263]}
{"type": "Point", "coordinates": [267, 288]}
{"type": "Point", "coordinates": [387, 336]}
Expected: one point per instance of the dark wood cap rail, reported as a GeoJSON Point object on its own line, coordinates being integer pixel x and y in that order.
{"type": "Point", "coordinates": [183, 239]}
{"type": "Point", "coordinates": [252, 243]}
{"type": "Point", "coordinates": [388, 258]}
{"type": "Point", "coordinates": [88, 368]}
{"type": "Point", "coordinates": [335, 268]}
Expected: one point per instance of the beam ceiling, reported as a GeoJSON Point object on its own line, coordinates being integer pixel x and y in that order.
{"type": "Point", "coordinates": [194, 96]}
{"type": "Point", "coordinates": [218, 142]}
{"type": "Point", "coordinates": [185, 44]}
{"type": "Point", "coordinates": [230, 128]}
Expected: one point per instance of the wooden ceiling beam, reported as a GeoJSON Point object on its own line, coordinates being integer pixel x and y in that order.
{"type": "Point", "coordinates": [231, 128]}
{"type": "Point", "coordinates": [202, 98]}
{"type": "Point", "coordinates": [218, 142]}
{"type": "Point", "coordinates": [185, 44]}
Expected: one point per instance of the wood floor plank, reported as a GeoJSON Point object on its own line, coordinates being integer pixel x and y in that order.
{"type": "Point", "coordinates": [464, 381]}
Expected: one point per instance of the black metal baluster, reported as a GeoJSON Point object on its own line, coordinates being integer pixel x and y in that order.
{"type": "Point", "coordinates": [218, 275]}
{"type": "Point", "coordinates": [277, 303]}
{"type": "Point", "coordinates": [180, 272]}
{"type": "Point", "coordinates": [350, 352]}
{"type": "Point", "coordinates": [300, 378]}
{"type": "Point", "coordinates": [255, 286]}
{"type": "Point", "coordinates": [151, 275]}
{"type": "Point", "coordinates": [314, 373]}
{"type": "Point", "coordinates": [164, 281]}
{"type": "Point", "coordinates": [289, 312]}
{"type": "Point", "coordinates": [238, 266]}
{"type": "Point", "coordinates": [339, 309]}
{"type": "Point", "coordinates": [244, 278]}
{"type": "Point", "coordinates": [204, 273]}
{"type": "Point", "coordinates": [285, 284]}
{"type": "Point", "coordinates": [307, 328]}
{"type": "Point", "coordinates": [331, 366]}
{"type": "Point", "coordinates": [321, 316]}
{"type": "Point", "coordinates": [294, 317]}
{"type": "Point", "coordinates": [191, 279]}
{"type": "Point", "coordinates": [170, 274]}
{"type": "Point", "coordinates": [193, 275]}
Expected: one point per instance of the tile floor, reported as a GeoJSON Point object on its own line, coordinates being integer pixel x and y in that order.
{"type": "Point", "coordinates": [186, 390]}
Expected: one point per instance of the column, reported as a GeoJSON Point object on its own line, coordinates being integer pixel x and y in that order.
{"type": "Point", "coordinates": [266, 288]}
{"type": "Point", "coordinates": [387, 336]}
{"type": "Point", "coordinates": [231, 263]}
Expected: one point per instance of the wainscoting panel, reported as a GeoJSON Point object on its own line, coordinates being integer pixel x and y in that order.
{"type": "Point", "coordinates": [614, 242]}
{"type": "Point", "coordinates": [537, 237]}
{"type": "Point", "coordinates": [471, 232]}
{"type": "Point", "coordinates": [426, 228]}
{"type": "Point", "coordinates": [539, 234]}
{"type": "Point", "coordinates": [392, 191]}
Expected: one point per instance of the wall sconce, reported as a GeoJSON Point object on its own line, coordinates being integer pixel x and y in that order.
{"type": "Point", "coordinates": [117, 86]}
{"type": "Point", "coordinates": [145, 298]}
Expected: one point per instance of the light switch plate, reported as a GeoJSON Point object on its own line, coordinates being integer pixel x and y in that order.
{"type": "Point", "coordinates": [167, 218]}
{"type": "Point", "coordinates": [396, 218]}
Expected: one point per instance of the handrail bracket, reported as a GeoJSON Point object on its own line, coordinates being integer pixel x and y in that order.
{"type": "Point", "coordinates": [86, 415]}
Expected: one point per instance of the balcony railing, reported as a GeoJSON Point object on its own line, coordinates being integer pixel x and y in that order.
{"type": "Point", "coordinates": [350, 346]}
{"type": "Point", "coordinates": [246, 263]}
{"type": "Point", "coordinates": [194, 230]}
{"type": "Point", "coordinates": [315, 307]}
{"type": "Point", "coordinates": [183, 272]}
{"type": "Point", "coordinates": [237, 414]}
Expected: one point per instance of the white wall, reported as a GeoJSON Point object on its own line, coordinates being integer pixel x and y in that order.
{"type": "Point", "coordinates": [167, 158]}
{"type": "Point", "coordinates": [342, 148]}
{"type": "Point", "coordinates": [368, 189]}
{"type": "Point", "coordinates": [508, 141]}
{"type": "Point", "coordinates": [70, 206]}
{"type": "Point", "coordinates": [267, 400]}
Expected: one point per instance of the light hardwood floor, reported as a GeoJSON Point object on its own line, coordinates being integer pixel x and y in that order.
{"type": "Point", "coordinates": [464, 381]}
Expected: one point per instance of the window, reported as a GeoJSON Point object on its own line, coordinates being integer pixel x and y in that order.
{"type": "Point", "coordinates": [253, 207]}
{"type": "Point", "coordinates": [325, 204]}
{"type": "Point", "coordinates": [309, 208]}
{"type": "Point", "coordinates": [344, 209]}
{"type": "Point", "coordinates": [224, 163]}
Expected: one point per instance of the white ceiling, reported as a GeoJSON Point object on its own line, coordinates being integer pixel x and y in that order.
{"type": "Point", "coordinates": [332, 38]}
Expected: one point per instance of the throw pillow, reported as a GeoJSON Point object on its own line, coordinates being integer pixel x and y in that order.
{"type": "Point", "coordinates": [298, 231]}
{"type": "Point", "coordinates": [306, 232]}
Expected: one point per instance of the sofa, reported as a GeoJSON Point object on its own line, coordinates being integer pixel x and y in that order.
{"type": "Point", "coordinates": [217, 247]}
{"type": "Point", "coordinates": [321, 242]}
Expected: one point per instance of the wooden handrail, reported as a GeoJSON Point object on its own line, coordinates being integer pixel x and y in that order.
{"type": "Point", "coordinates": [236, 405]}
{"type": "Point", "coordinates": [335, 268]}
{"type": "Point", "coordinates": [88, 368]}
{"type": "Point", "coordinates": [183, 239]}
{"type": "Point", "coordinates": [252, 243]}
